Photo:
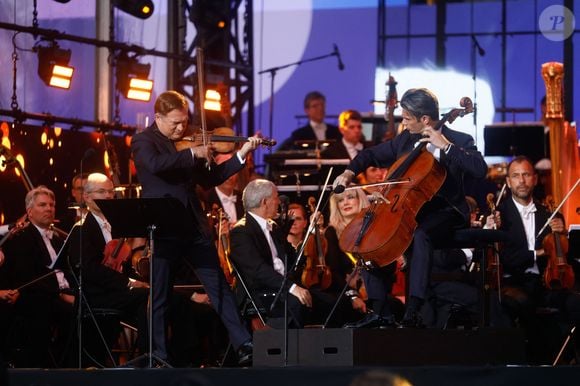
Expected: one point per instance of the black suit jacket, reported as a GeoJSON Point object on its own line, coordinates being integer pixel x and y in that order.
{"type": "Point", "coordinates": [210, 198]}
{"type": "Point", "coordinates": [463, 159]}
{"type": "Point", "coordinates": [515, 256]}
{"type": "Point", "coordinates": [251, 254]}
{"type": "Point", "coordinates": [27, 258]}
{"type": "Point", "coordinates": [306, 133]}
{"type": "Point", "coordinates": [98, 280]}
{"type": "Point", "coordinates": [165, 172]}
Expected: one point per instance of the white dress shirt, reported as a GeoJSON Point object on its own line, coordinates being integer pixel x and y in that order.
{"type": "Point", "coordinates": [46, 237]}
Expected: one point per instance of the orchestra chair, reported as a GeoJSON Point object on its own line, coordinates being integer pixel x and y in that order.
{"type": "Point", "coordinates": [481, 241]}
{"type": "Point", "coordinates": [253, 307]}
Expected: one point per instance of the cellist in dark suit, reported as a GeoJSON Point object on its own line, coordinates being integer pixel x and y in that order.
{"type": "Point", "coordinates": [164, 171]}
{"type": "Point", "coordinates": [457, 153]}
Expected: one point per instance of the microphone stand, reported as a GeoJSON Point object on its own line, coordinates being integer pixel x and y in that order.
{"type": "Point", "coordinates": [273, 71]}
{"type": "Point", "coordinates": [294, 268]}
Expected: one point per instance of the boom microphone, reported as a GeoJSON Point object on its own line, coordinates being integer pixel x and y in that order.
{"type": "Point", "coordinates": [336, 53]}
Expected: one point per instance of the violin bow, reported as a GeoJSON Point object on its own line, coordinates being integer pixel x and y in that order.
{"type": "Point", "coordinates": [558, 208]}
{"type": "Point", "coordinates": [311, 225]}
{"type": "Point", "coordinates": [201, 92]}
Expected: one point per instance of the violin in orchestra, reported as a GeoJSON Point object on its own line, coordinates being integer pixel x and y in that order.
{"type": "Point", "coordinates": [558, 273]}
{"type": "Point", "coordinates": [316, 272]}
{"type": "Point", "coordinates": [494, 270]}
{"type": "Point", "coordinates": [222, 140]}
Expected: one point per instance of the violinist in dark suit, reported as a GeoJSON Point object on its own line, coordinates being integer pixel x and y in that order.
{"type": "Point", "coordinates": [105, 286]}
{"type": "Point", "coordinates": [259, 252]}
{"type": "Point", "coordinates": [224, 196]}
{"type": "Point", "coordinates": [457, 153]}
{"type": "Point", "coordinates": [46, 306]}
{"type": "Point", "coordinates": [522, 255]}
{"type": "Point", "coordinates": [316, 129]}
{"type": "Point", "coordinates": [164, 171]}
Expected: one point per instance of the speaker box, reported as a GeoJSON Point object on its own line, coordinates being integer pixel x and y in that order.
{"type": "Point", "coordinates": [392, 347]}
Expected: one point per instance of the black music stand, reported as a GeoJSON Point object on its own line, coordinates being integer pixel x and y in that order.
{"type": "Point", "coordinates": [153, 218]}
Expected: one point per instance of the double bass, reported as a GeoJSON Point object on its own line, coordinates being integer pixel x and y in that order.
{"type": "Point", "coordinates": [382, 232]}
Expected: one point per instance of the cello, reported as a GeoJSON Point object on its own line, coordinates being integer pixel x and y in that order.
{"type": "Point", "coordinates": [382, 232]}
{"type": "Point", "coordinates": [391, 103]}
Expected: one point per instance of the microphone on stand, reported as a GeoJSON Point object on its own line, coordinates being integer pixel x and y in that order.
{"type": "Point", "coordinates": [284, 201]}
{"type": "Point", "coordinates": [336, 53]}
{"type": "Point", "coordinates": [480, 50]}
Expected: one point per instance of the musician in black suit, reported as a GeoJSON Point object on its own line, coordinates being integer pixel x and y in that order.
{"type": "Point", "coordinates": [259, 253]}
{"type": "Point", "coordinates": [224, 196]}
{"type": "Point", "coordinates": [45, 306]}
{"type": "Point", "coordinates": [523, 257]}
{"type": "Point", "coordinates": [457, 153]}
{"type": "Point", "coordinates": [351, 143]}
{"type": "Point", "coordinates": [316, 129]}
{"type": "Point", "coordinates": [165, 172]}
{"type": "Point", "coordinates": [103, 285]}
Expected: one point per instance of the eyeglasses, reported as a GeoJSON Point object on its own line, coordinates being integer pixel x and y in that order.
{"type": "Point", "coordinates": [103, 191]}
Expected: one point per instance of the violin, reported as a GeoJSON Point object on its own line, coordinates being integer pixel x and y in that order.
{"type": "Point", "coordinates": [222, 139]}
{"type": "Point", "coordinates": [316, 272]}
{"type": "Point", "coordinates": [140, 258]}
{"type": "Point", "coordinates": [223, 248]}
{"type": "Point", "coordinates": [19, 225]}
{"type": "Point", "coordinates": [558, 273]}
{"type": "Point", "coordinates": [494, 270]}
{"type": "Point", "coordinates": [384, 230]}
{"type": "Point", "coordinates": [116, 253]}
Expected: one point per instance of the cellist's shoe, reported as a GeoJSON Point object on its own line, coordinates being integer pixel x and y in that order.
{"type": "Point", "coordinates": [412, 319]}
{"type": "Point", "coordinates": [372, 320]}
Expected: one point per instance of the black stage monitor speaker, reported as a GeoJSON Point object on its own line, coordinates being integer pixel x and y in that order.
{"type": "Point", "coordinates": [394, 347]}
{"type": "Point", "coordinates": [513, 139]}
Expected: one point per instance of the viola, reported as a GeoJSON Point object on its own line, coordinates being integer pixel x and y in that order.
{"type": "Point", "coordinates": [316, 272]}
{"type": "Point", "coordinates": [558, 273]}
{"type": "Point", "coordinates": [384, 230]}
{"type": "Point", "coordinates": [116, 253]}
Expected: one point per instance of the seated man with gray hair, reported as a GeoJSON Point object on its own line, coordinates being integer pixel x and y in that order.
{"type": "Point", "coordinates": [259, 251]}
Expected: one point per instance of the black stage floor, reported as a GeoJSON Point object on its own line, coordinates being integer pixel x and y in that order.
{"type": "Point", "coordinates": [297, 376]}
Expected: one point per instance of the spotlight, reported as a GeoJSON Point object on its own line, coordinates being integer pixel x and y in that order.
{"type": "Point", "coordinates": [212, 100]}
{"type": "Point", "coordinates": [142, 9]}
{"type": "Point", "coordinates": [132, 79]}
{"type": "Point", "coordinates": [53, 66]}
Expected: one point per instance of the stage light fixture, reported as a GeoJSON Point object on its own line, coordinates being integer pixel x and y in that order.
{"type": "Point", "coordinates": [132, 79]}
{"type": "Point", "coordinates": [212, 100]}
{"type": "Point", "coordinates": [53, 66]}
{"type": "Point", "coordinates": [142, 9]}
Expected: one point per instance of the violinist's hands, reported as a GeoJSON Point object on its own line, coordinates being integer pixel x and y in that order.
{"type": "Point", "coordinates": [137, 284]}
{"type": "Point", "coordinates": [251, 145]}
{"type": "Point", "coordinates": [200, 298]}
{"type": "Point", "coordinates": [9, 296]}
{"type": "Point", "coordinates": [493, 221]}
{"type": "Point", "coordinates": [202, 151]}
{"type": "Point", "coordinates": [318, 217]}
{"type": "Point", "coordinates": [359, 305]}
{"type": "Point", "coordinates": [303, 295]}
{"type": "Point", "coordinates": [434, 137]}
{"type": "Point", "coordinates": [557, 225]}
{"type": "Point", "coordinates": [343, 180]}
